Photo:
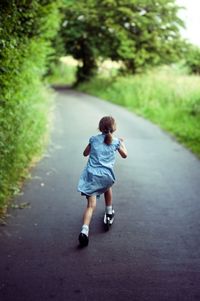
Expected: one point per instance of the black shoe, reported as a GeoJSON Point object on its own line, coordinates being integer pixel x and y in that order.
{"type": "Point", "coordinates": [109, 218]}
{"type": "Point", "coordinates": [83, 239]}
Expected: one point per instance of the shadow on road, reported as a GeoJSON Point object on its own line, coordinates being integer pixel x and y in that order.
{"type": "Point", "coordinates": [60, 88]}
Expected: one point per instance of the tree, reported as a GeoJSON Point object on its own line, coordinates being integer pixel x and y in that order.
{"type": "Point", "coordinates": [78, 31]}
{"type": "Point", "coordinates": [138, 32]}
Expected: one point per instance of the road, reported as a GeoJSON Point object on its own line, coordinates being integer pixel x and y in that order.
{"type": "Point", "coordinates": [152, 251]}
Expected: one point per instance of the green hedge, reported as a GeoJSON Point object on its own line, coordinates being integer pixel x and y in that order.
{"type": "Point", "coordinates": [26, 30]}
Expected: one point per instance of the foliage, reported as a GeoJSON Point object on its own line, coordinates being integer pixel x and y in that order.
{"type": "Point", "coordinates": [61, 74]}
{"type": "Point", "coordinates": [164, 96]}
{"type": "Point", "coordinates": [192, 59]}
{"type": "Point", "coordinates": [139, 33]}
{"type": "Point", "coordinates": [27, 28]}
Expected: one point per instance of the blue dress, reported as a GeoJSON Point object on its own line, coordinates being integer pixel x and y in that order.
{"type": "Point", "coordinates": [98, 174]}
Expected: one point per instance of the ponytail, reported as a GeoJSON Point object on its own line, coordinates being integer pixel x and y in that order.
{"type": "Point", "coordinates": [108, 138]}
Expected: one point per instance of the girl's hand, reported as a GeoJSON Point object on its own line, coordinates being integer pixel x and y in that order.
{"type": "Point", "coordinates": [122, 149]}
{"type": "Point", "coordinates": [87, 150]}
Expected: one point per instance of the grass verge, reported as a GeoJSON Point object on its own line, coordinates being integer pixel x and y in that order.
{"type": "Point", "coordinates": [165, 96]}
{"type": "Point", "coordinates": [24, 136]}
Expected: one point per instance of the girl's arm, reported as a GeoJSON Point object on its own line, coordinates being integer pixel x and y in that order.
{"type": "Point", "coordinates": [87, 150]}
{"type": "Point", "coordinates": [122, 149]}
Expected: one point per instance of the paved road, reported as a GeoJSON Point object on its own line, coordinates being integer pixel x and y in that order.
{"type": "Point", "coordinates": [153, 249]}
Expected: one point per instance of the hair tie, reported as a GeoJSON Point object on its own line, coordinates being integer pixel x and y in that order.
{"type": "Point", "coordinates": [107, 131]}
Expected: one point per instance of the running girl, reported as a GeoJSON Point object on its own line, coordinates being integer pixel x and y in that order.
{"type": "Point", "coordinates": [98, 177]}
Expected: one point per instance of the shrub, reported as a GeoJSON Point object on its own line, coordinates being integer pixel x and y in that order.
{"type": "Point", "coordinates": [192, 59]}
{"type": "Point", "coordinates": [27, 28]}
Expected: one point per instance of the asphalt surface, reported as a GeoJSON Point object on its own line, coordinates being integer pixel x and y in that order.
{"type": "Point", "coordinates": [152, 251]}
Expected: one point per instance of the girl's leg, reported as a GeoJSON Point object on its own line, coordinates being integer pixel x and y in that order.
{"type": "Point", "coordinates": [87, 216]}
{"type": "Point", "coordinates": [108, 202]}
{"type": "Point", "coordinates": [108, 197]}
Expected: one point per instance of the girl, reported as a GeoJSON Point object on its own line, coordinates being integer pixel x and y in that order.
{"type": "Point", "coordinates": [98, 176]}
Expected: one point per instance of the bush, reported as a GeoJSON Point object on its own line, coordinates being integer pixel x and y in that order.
{"type": "Point", "coordinates": [192, 59]}
{"type": "Point", "coordinates": [27, 28]}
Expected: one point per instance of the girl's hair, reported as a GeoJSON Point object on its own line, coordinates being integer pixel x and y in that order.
{"type": "Point", "coordinates": [107, 126]}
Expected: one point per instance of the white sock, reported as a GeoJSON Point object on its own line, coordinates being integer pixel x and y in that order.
{"type": "Point", "coordinates": [109, 209]}
{"type": "Point", "coordinates": [85, 230]}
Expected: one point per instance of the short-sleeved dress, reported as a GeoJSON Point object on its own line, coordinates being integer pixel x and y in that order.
{"type": "Point", "coordinates": [98, 174]}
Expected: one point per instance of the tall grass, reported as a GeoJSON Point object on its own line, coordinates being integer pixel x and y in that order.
{"type": "Point", "coordinates": [22, 138]}
{"type": "Point", "coordinates": [165, 96]}
{"type": "Point", "coordinates": [62, 74]}
{"type": "Point", "coordinates": [23, 114]}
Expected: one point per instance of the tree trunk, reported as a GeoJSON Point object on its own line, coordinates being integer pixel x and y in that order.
{"type": "Point", "coordinates": [89, 66]}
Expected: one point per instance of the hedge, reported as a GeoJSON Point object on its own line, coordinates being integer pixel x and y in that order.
{"type": "Point", "coordinates": [26, 31]}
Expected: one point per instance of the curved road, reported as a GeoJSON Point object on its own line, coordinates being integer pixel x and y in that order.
{"type": "Point", "coordinates": [153, 249]}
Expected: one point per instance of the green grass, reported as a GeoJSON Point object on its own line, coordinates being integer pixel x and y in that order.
{"type": "Point", "coordinates": [23, 139]}
{"type": "Point", "coordinates": [62, 74]}
{"type": "Point", "coordinates": [165, 96]}
{"type": "Point", "coordinates": [23, 116]}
